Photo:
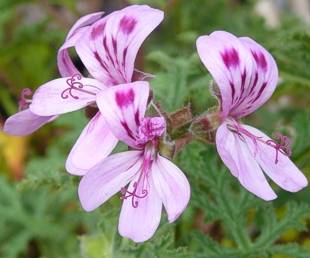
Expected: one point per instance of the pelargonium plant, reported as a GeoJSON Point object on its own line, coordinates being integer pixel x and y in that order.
{"type": "Point", "coordinates": [245, 76]}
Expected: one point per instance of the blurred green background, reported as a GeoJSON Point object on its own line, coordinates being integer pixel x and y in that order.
{"type": "Point", "coordinates": [40, 215]}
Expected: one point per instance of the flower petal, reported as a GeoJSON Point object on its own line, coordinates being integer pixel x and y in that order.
{"type": "Point", "coordinates": [109, 49]}
{"type": "Point", "coordinates": [64, 95]}
{"type": "Point", "coordinates": [107, 178]}
{"type": "Point", "coordinates": [284, 173]}
{"type": "Point", "coordinates": [140, 223]}
{"type": "Point", "coordinates": [229, 63]}
{"type": "Point", "coordinates": [172, 186]}
{"type": "Point", "coordinates": [94, 144]}
{"type": "Point", "coordinates": [244, 71]}
{"type": "Point", "coordinates": [237, 156]}
{"type": "Point", "coordinates": [65, 64]}
{"type": "Point", "coordinates": [263, 80]}
{"type": "Point", "coordinates": [25, 123]}
{"type": "Point", "coordinates": [123, 107]}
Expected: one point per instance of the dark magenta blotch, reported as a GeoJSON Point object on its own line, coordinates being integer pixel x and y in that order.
{"type": "Point", "coordinates": [97, 30]}
{"type": "Point", "coordinates": [230, 58]}
{"type": "Point", "coordinates": [124, 98]}
{"type": "Point", "coordinates": [127, 24]}
{"type": "Point", "coordinates": [260, 59]}
{"type": "Point", "coordinates": [137, 117]}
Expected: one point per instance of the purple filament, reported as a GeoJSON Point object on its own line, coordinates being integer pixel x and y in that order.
{"type": "Point", "coordinates": [75, 84]}
{"type": "Point", "coordinates": [283, 145]}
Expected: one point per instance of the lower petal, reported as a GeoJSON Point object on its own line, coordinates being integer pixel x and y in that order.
{"type": "Point", "coordinates": [107, 178]}
{"type": "Point", "coordinates": [94, 144]}
{"type": "Point", "coordinates": [25, 123]}
{"type": "Point", "coordinates": [64, 95]}
{"type": "Point", "coordinates": [172, 187]}
{"type": "Point", "coordinates": [284, 172]}
{"type": "Point", "coordinates": [237, 156]}
{"type": "Point", "coordinates": [139, 224]}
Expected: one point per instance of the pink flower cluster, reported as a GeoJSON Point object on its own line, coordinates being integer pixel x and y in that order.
{"type": "Point", "coordinates": [245, 73]}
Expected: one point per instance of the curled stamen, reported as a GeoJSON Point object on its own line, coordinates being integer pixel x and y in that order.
{"type": "Point", "coordinates": [282, 145]}
{"type": "Point", "coordinates": [241, 132]}
{"type": "Point", "coordinates": [139, 187]}
{"type": "Point", "coordinates": [126, 194]}
{"type": "Point", "coordinates": [75, 84]}
{"type": "Point", "coordinates": [285, 142]}
{"type": "Point", "coordinates": [23, 100]}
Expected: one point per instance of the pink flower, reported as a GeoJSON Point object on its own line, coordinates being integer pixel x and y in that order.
{"type": "Point", "coordinates": [108, 47]}
{"type": "Point", "coordinates": [153, 180]}
{"type": "Point", "coordinates": [26, 122]}
{"type": "Point", "coordinates": [246, 75]}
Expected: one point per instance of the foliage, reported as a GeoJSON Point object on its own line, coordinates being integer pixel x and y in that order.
{"type": "Point", "coordinates": [40, 216]}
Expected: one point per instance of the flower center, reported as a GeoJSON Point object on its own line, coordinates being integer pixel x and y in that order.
{"type": "Point", "coordinates": [282, 145]}
{"type": "Point", "coordinates": [24, 102]}
{"type": "Point", "coordinates": [150, 128]}
{"type": "Point", "coordinates": [140, 190]}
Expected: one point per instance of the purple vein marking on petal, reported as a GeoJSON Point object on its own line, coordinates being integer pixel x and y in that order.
{"type": "Point", "coordinates": [105, 45]}
{"type": "Point", "coordinates": [114, 44]}
{"type": "Point", "coordinates": [260, 91]}
{"type": "Point", "coordinates": [103, 65]}
{"type": "Point", "coordinates": [241, 98]}
{"type": "Point", "coordinates": [124, 55]}
{"type": "Point", "coordinates": [127, 24]}
{"type": "Point", "coordinates": [137, 117]}
{"type": "Point", "coordinates": [254, 83]}
{"type": "Point", "coordinates": [118, 68]}
{"type": "Point", "coordinates": [97, 30]}
{"type": "Point", "coordinates": [243, 76]}
{"type": "Point", "coordinates": [260, 60]}
{"type": "Point", "coordinates": [232, 91]}
{"type": "Point", "coordinates": [129, 132]}
{"type": "Point", "coordinates": [231, 58]}
{"type": "Point", "coordinates": [124, 99]}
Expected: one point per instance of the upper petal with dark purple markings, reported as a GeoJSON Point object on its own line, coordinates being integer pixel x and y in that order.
{"type": "Point", "coordinates": [244, 71]}
{"type": "Point", "coordinates": [109, 49]}
{"type": "Point", "coordinates": [229, 63]}
{"type": "Point", "coordinates": [263, 82]}
{"type": "Point", "coordinates": [123, 106]}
